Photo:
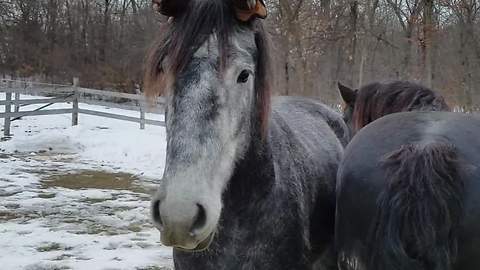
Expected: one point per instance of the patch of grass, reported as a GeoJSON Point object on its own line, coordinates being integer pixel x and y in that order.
{"type": "Point", "coordinates": [83, 258]}
{"type": "Point", "coordinates": [12, 205]}
{"type": "Point", "coordinates": [9, 194]}
{"type": "Point", "coordinates": [134, 228]}
{"type": "Point", "coordinates": [78, 232]}
{"type": "Point", "coordinates": [138, 239]}
{"type": "Point", "coordinates": [47, 267]}
{"type": "Point", "coordinates": [48, 247]}
{"type": "Point", "coordinates": [144, 245]}
{"type": "Point", "coordinates": [71, 220]}
{"type": "Point", "coordinates": [123, 208]}
{"type": "Point", "coordinates": [96, 200]}
{"type": "Point", "coordinates": [111, 246]}
{"type": "Point", "coordinates": [47, 195]}
{"type": "Point", "coordinates": [96, 230]}
{"type": "Point", "coordinates": [7, 216]}
{"type": "Point", "coordinates": [153, 267]}
{"type": "Point", "coordinates": [62, 257]}
{"type": "Point", "coordinates": [102, 229]}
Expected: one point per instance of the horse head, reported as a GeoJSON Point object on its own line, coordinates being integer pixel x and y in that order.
{"type": "Point", "coordinates": [214, 54]}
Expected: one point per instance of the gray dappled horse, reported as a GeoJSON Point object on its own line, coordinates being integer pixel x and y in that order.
{"type": "Point", "coordinates": [247, 185]}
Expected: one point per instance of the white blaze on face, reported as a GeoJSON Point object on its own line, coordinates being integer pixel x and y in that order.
{"type": "Point", "coordinates": [209, 126]}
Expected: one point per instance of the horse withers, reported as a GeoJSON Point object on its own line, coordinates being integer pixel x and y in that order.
{"type": "Point", "coordinates": [247, 185]}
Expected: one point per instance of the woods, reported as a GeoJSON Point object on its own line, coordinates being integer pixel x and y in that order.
{"type": "Point", "coordinates": [315, 42]}
{"type": "Point", "coordinates": [102, 42]}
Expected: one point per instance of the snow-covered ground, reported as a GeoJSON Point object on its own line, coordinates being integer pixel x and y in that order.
{"type": "Point", "coordinates": [78, 197]}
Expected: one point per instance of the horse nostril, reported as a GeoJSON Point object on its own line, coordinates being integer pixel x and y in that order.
{"type": "Point", "coordinates": [157, 218]}
{"type": "Point", "coordinates": [200, 219]}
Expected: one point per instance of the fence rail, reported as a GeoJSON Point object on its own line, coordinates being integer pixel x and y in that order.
{"type": "Point", "coordinates": [35, 113]}
{"type": "Point", "coordinates": [111, 94]}
{"type": "Point", "coordinates": [72, 94]}
{"type": "Point", "coordinates": [25, 102]}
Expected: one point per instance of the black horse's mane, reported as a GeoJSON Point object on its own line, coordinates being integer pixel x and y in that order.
{"type": "Point", "coordinates": [378, 99]}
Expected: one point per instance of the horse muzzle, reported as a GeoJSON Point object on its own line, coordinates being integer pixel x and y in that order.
{"type": "Point", "coordinates": [183, 223]}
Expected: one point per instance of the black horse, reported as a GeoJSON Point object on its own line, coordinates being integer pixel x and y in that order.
{"type": "Point", "coordinates": [247, 185]}
{"type": "Point", "coordinates": [408, 194]}
{"type": "Point", "coordinates": [376, 100]}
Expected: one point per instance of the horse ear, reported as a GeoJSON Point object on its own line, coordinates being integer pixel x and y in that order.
{"type": "Point", "coordinates": [348, 95]}
{"type": "Point", "coordinates": [249, 9]}
{"type": "Point", "coordinates": [170, 8]}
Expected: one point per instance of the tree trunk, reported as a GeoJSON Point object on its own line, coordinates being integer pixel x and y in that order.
{"type": "Point", "coordinates": [467, 73]}
{"type": "Point", "coordinates": [427, 42]}
{"type": "Point", "coordinates": [105, 29]}
{"type": "Point", "coordinates": [369, 20]}
{"type": "Point", "coordinates": [353, 41]}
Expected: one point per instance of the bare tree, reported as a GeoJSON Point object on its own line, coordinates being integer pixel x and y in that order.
{"type": "Point", "coordinates": [427, 41]}
{"type": "Point", "coordinates": [315, 43]}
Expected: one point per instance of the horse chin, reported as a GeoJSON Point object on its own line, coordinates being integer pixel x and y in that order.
{"type": "Point", "coordinates": [202, 246]}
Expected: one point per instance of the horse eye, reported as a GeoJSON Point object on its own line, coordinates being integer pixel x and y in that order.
{"type": "Point", "coordinates": [243, 77]}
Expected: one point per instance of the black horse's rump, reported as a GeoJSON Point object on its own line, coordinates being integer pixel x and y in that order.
{"type": "Point", "coordinates": [407, 194]}
{"type": "Point", "coordinates": [419, 210]}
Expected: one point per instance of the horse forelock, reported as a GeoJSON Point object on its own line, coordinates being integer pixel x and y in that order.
{"type": "Point", "coordinates": [179, 41]}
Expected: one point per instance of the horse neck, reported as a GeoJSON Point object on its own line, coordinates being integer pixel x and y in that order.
{"type": "Point", "coordinates": [253, 176]}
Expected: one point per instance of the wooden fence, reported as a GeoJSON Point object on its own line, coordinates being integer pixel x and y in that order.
{"type": "Point", "coordinates": [65, 94]}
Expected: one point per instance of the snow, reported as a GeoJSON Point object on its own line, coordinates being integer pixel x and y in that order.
{"type": "Point", "coordinates": [78, 197]}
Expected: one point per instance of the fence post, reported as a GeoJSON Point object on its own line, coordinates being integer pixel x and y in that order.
{"type": "Point", "coordinates": [142, 117]}
{"type": "Point", "coordinates": [8, 99]}
{"type": "Point", "coordinates": [141, 103]}
{"type": "Point", "coordinates": [17, 102]}
{"type": "Point", "coordinates": [75, 103]}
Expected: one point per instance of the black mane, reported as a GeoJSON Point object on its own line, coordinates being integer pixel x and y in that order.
{"type": "Point", "coordinates": [376, 100]}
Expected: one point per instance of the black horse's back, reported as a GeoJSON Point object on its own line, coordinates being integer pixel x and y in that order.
{"type": "Point", "coordinates": [407, 194]}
